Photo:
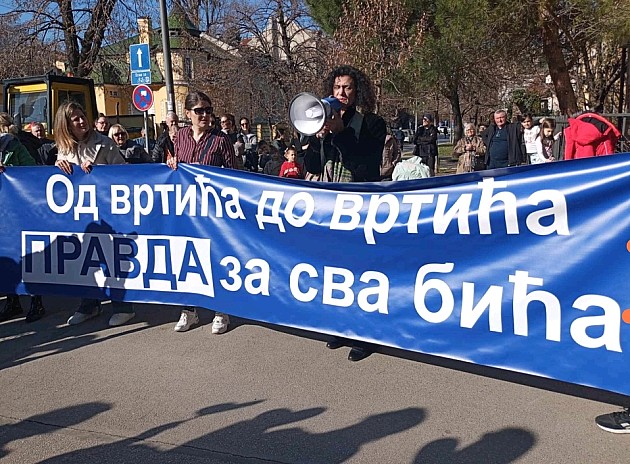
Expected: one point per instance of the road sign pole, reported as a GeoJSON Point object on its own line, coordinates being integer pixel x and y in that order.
{"type": "Point", "coordinates": [146, 132]}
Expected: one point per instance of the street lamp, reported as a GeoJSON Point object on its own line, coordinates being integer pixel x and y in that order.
{"type": "Point", "coordinates": [166, 54]}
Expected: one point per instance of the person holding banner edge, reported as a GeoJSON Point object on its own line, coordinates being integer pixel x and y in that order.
{"type": "Point", "coordinates": [201, 143]}
{"type": "Point", "coordinates": [349, 148]}
{"type": "Point", "coordinates": [79, 144]}
{"type": "Point", "coordinates": [13, 153]}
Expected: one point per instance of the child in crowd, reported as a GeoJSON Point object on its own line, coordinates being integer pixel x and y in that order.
{"type": "Point", "coordinates": [530, 135]}
{"type": "Point", "coordinates": [272, 167]}
{"type": "Point", "coordinates": [290, 168]}
{"type": "Point", "coordinates": [546, 143]}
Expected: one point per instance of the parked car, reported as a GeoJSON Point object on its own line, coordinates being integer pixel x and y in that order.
{"type": "Point", "coordinates": [442, 129]}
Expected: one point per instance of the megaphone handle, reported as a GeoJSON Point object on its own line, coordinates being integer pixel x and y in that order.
{"type": "Point", "coordinates": [322, 154]}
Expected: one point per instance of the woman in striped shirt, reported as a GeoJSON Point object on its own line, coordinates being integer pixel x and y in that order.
{"type": "Point", "coordinates": [201, 143]}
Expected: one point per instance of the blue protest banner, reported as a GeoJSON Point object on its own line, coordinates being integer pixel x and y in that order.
{"type": "Point", "coordinates": [523, 269]}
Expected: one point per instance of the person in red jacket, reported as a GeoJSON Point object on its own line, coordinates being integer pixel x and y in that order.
{"type": "Point", "coordinates": [290, 168]}
{"type": "Point", "coordinates": [589, 135]}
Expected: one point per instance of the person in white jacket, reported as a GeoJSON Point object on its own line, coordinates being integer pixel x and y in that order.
{"type": "Point", "coordinates": [546, 143]}
{"type": "Point", "coordinates": [530, 134]}
{"type": "Point", "coordinates": [79, 144]}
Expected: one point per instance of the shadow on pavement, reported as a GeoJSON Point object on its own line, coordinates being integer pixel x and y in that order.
{"type": "Point", "coordinates": [21, 343]}
{"type": "Point", "coordinates": [41, 424]}
{"type": "Point", "coordinates": [502, 447]}
{"type": "Point", "coordinates": [556, 386]}
{"type": "Point", "coordinates": [265, 437]}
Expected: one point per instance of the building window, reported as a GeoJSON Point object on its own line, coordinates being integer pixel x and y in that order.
{"type": "Point", "coordinates": [188, 68]}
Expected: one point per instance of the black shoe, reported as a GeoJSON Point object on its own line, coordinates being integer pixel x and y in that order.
{"type": "Point", "coordinates": [357, 353]}
{"type": "Point", "coordinates": [11, 307]}
{"type": "Point", "coordinates": [334, 344]}
{"type": "Point", "coordinates": [616, 422]}
{"type": "Point", "coordinates": [37, 310]}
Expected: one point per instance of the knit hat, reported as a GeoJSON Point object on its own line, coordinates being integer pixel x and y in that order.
{"type": "Point", "coordinates": [428, 116]}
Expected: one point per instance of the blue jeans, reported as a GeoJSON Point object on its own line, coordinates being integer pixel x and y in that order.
{"type": "Point", "coordinates": [91, 305]}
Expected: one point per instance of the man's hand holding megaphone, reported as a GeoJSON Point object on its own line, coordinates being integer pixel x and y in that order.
{"type": "Point", "coordinates": [334, 125]}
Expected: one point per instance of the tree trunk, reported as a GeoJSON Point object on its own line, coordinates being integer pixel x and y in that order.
{"type": "Point", "coordinates": [81, 59]}
{"type": "Point", "coordinates": [453, 98]}
{"type": "Point", "coordinates": [552, 49]}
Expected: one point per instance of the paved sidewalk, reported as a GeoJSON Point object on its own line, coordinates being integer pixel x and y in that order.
{"type": "Point", "coordinates": [142, 393]}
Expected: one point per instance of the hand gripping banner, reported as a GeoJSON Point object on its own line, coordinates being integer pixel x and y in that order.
{"type": "Point", "coordinates": [524, 269]}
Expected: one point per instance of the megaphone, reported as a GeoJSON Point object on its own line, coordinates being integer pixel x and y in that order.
{"type": "Point", "coordinates": [308, 113]}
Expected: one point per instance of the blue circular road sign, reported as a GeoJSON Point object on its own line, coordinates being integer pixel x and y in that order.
{"type": "Point", "coordinates": [142, 97]}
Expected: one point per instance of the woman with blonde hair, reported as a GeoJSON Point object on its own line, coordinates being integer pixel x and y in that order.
{"type": "Point", "coordinates": [79, 144]}
{"type": "Point", "coordinates": [471, 151]}
{"type": "Point", "coordinates": [131, 151]}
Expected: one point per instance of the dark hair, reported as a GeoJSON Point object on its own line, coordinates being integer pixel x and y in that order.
{"type": "Point", "coordinates": [528, 116]}
{"type": "Point", "coordinates": [194, 98]}
{"type": "Point", "coordinates": [547, 123]}
{"type": "Point", "coordinates": [366, 97]}
{"type": "Point", "coordinates": [245, 118]}
{"type": "Point", "coordinates": [230, 117]}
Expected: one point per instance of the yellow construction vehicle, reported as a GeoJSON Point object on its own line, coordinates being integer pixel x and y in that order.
{"type": "Point", "coordinates": [36, 99]}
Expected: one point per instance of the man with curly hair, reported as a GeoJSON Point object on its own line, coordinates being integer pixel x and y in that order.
{"type": "Point", "coordinates": [349, 147]}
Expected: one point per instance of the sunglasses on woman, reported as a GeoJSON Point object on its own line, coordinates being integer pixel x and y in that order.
{"type": "Point", "coordinates": [201, 111]}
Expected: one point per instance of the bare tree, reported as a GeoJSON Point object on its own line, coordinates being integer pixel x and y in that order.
{"type": "Point", "coordinates": [77, 26]}
{"type": "Point", "coordinates": [22, 53]}
{"type": "Point", "coordinates": [282, 52]}
{"type": "Point", "coordinates": [378, 36]}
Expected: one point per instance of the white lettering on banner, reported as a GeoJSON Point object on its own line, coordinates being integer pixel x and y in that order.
{"type": "Point", "coordinates": [141, 209]}
{"type": "Point", "coordinates": [133, 262]}
{"type": "Point", "coordinates": [295, 216]}
{"type": "Point", "coordinates": [521, 300]}
{"type": "Point", "coordinates": [371, 223]}
{"type": "Point", "coordinates": [69, 191]}
{"type": "Point", "coordinates": [352, 212]}
{"type": "Point", "coordinates": [192, 201]}
{"type": "Point", "coordinates": [256, 282]}
{"type": "Point", "coordinates": [120, 199]}
{"type": "Point", "coordinates": [163, 190]}
{"type": "Point", "coordinates": [86, 197]}
{"type": "Point", "coordinates": [337, 287]}
{"type": "Point", "coordinates": [382, 212]}
{"type": "Point", "coordinates": [416, 202]}
{"type": "Point", "coordinates": [86, 193]}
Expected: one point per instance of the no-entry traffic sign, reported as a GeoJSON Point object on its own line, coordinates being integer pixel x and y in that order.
{"type": "Point", "coordinates": [142, 97]}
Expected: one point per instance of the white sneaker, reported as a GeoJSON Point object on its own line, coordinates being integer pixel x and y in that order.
{"type": "Point", "coordinates": [220, 323]}
{"type": "Point", "coordinates": [78, 318]}
{"type": "Point", "coordinates": [187, 319]}
{"type": "Point", "coordinates": [120, 319]}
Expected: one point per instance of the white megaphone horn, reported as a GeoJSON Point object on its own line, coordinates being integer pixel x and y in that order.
{"type": "Point", "coordinates": [308, 113]}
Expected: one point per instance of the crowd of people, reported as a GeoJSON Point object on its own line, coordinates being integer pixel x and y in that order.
{"type": "Point", "coordinates": [349, 148]}
{"type": "Point", "coordinates": [353, 145]}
